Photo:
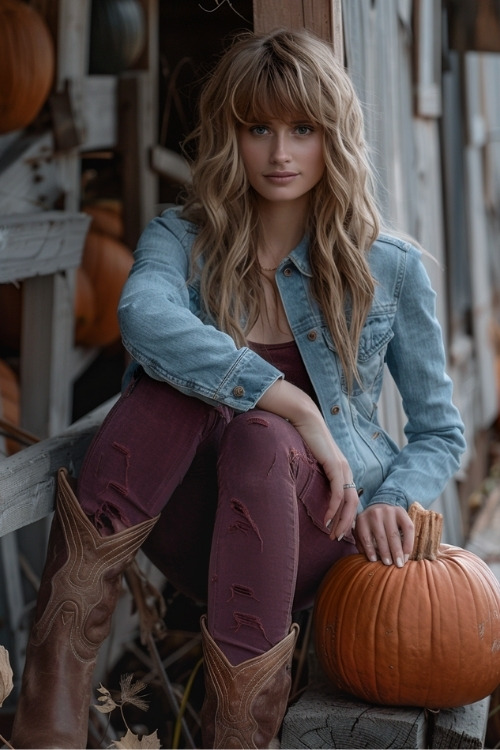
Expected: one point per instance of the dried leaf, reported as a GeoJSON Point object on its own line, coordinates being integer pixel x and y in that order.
{"type": "Point", "coordinates": [130, 690]}
{"type": "Point", "coordinates": [6, 674]}
{"type": "Point", "coordinates": [131, 741]}
{"type": "Point", "coordinates": [108, 704]}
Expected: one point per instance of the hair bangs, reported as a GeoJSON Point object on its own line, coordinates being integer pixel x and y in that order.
{"type": "Point", "coordinates": [273, 91]}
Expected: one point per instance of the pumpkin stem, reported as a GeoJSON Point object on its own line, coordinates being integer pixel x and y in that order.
{"type": "Point", "coordinates": [428, 529]}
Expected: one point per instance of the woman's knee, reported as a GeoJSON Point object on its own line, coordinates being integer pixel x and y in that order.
{"type": "Point", "coordinates": [257, 445]}
{"type": "Point", "coordinates": [259, 431]}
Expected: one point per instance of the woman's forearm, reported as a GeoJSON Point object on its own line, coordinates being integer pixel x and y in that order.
{"type": "Point", "coordinates": [289, 402]}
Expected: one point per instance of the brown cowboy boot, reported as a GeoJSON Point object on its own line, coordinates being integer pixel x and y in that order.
{"type": "Point", "coordinates": [245, 705]}
{"type": "Point", "coordinates": [80, 586]}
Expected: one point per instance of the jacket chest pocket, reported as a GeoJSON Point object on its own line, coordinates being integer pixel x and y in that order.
{"type": "Point", "coordinates": [375, 337]}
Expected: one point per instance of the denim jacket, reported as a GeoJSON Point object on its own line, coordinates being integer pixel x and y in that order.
{"type": "Point", "coordinates": [169, 334]}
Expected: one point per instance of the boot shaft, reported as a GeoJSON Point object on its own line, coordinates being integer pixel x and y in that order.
{"type": "Point", "coordinates": [245, 704]}
{"type": "Point", "coordinates": [78, 592]}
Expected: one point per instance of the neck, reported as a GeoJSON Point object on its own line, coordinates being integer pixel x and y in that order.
{"type": "Point", "coordinates": [282, 229]}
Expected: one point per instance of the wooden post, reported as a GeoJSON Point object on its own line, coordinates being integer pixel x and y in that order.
{"type": "Point", "coordinates": [137, 132]}
{"type": "Point", "coordinates": [136, 139]}
{"type": "Point", "coordinates": [322, 17]}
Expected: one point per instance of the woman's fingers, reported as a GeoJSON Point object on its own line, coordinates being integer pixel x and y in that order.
{"type": "Point", "coordinates": [341, 511]}
{"type": "Point", "coordinates": [385, 532]}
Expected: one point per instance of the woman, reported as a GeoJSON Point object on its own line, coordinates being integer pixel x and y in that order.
{"type": "Point", "coordinates": [259, 316]}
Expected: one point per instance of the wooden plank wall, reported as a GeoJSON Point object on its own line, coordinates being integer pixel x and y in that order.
{"type": "Point", "coordinates": [401, 83]}
{"type": "Point", "coordinates": [323, 17]}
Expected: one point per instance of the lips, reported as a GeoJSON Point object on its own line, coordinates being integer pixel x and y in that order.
{"type": "Point", "coordinates": [281, 175]}
{"type": "Point", "coordinates": [281, 178]}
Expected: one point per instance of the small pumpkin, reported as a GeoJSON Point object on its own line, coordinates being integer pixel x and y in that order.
{"type": "Point", "coordinates": [84, 305]}
{"type": "Point", "coordinates": [107, 217]}
{"type": "Point", "coordinates": [27, 64]}
{"type": "Point", "coordinates": [117, 35]}
{"type": "Point", "coordinates": [10, 395]}
{"type": "Point", "coordinates": [425, 635]}
{"type": "Point", "coordinates": [106, 263]}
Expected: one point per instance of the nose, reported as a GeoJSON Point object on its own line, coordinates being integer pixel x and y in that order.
{"type": "Point", "coordinates": [280, 151]}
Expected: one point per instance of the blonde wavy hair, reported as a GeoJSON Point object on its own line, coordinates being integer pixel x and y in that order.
{"type": "Point", "coordinates": [261, 76]}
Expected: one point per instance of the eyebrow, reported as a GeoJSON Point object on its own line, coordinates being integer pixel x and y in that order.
{"type": "Point", "coordinates": [267, 120]}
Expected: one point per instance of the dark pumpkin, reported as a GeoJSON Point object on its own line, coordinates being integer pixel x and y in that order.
{"type": "Point", "coordinates": [117, 35]}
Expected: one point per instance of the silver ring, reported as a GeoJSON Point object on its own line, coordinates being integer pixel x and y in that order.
{"type": "Point", "coordinates": [350, 486]}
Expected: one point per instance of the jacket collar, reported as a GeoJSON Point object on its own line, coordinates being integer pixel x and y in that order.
{"type": "Point", "coordinates": [300, 257]}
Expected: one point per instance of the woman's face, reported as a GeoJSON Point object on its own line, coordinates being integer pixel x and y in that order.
{"type": "Point", "coordinates": [283, 159]}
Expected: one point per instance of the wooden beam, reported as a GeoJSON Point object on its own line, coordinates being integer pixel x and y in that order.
{"type": "Point", "coordinates": [28, 478]}
{"type": "Point", "coordinates": [40, 244]}
{"type": "Point", "coordinates": [46, 340]}
{"type": "Point", "coordinates": [322, 17]}
{"type": "Point", "coordinates": [136, 139]}
{"type": "Point", "coordinates": [99, 112]}
{"type": "Point", "coordinates": [323, 718]}
{"type": "Point", "coordinates": [29, 179]}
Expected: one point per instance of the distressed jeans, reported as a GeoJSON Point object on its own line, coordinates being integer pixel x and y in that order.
{"type": "Point", "coordinates": [242, 504]}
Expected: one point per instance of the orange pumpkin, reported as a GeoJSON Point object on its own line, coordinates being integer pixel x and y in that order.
{"type": "Point", "coordinates": [84, 306]}
{"type": "Point", "coordinates": [9, 393]}
{"type": "Point", "coordinates": [106, 263]}
{"type": "Point", "coordinates": [27, 64]}
{"type": "Point", "coordinates": [426, 635]}
{"type": "Point", "coordinates": [106, 218]}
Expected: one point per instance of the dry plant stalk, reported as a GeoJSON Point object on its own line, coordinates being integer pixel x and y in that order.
{"type": "Point", "coordinates": [129, 694]}
{"type": "Point", "coordinates": [6, 675]}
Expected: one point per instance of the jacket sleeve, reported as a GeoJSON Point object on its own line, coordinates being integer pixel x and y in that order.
{"type": "Point", "coordinates": [434, 429]}
{"type": "Point", "coordinates": [163, 334]}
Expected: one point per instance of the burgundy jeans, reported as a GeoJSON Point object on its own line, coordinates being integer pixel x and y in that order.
{"type": "Point", "coordinates": [242, 504]}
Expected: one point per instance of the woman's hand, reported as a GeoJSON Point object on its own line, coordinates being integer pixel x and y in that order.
{"type": "Point", "coordinates": [385, 532]}
{"type": "Point", "coordinates": [290, 402]}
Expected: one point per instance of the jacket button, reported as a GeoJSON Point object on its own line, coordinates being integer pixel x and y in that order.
{"type": "Point", "coordinates": [335, 409]}
{"type": "Point", "coordinates": [238, 391]}
{"type": "Point", "coordinates": [360, 491]}
{"type": "Point", "coordinates": [375, 435]}
{"type": "Point", "coordinates": [287, 271]}
{"type": "Point", "coordinates": [312, 335]}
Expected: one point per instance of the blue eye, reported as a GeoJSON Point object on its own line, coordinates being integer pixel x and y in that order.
{"type": "Point", "coordinates": [258, 129]}
{"type": "Point", "coordinates": [304, 129]}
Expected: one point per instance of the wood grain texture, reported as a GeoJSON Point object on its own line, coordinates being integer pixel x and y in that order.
{"type": "Point", "coordinates": [322, 17]}
{"type": "Point", "coordinates": [322, 718]}
{"type": "Point", "coordinates": [41, 243]}
{"type": "Point", "coordinates": [27, 479]}
{"type": "Point", "coordinates": [462, 727]}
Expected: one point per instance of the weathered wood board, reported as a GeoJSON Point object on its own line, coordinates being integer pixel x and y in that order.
{"type": "Point", "coordinates": [320, 718]}
{"type": "Point", "coordinates": [323, 17]}
{"type": "Point", "coordinates": [462, 727]}
{"type": "Point", "coordinates": [41, 243]}
{"type": "Point", "coordinates": [29, 180]}
{"type": "Point", "coordinates": [99, 105]}
{"type": "Point", "coordinates": [27, 479]}
{"type": "Point", "coordinates": [323, 718]}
